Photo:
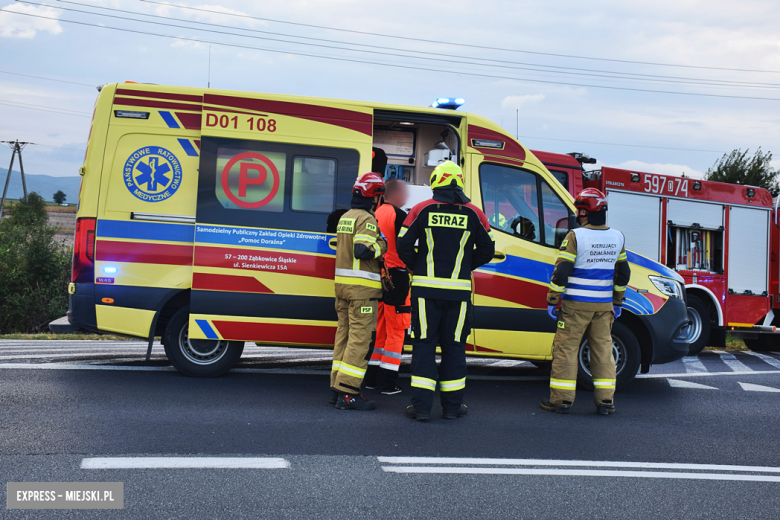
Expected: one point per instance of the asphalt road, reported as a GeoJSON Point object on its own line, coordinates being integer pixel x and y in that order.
{"type": "Point", "coordinates": [61, 405]}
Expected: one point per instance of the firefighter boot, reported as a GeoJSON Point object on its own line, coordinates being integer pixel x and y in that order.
{"type": "Point", "coordinates": [459, 412]}
{"type": "Point", "coordinates": [606, 407]}
{"type": "Point", "coordinates": [354, 402]}
{"type": "Point", "coordinates": [559, 408]}
{"type": "Point", "coordinates": [414, 413]}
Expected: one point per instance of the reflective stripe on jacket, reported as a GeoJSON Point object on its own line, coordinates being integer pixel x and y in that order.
{"type": "Point", "coordinates": [358, 279]}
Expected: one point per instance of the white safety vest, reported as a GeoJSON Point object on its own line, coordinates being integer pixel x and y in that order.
{"type": "Point", "coordinates": [592, 279]}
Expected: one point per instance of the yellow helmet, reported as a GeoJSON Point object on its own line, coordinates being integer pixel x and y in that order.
{"type": "Point", "coordinates": [445, 173]}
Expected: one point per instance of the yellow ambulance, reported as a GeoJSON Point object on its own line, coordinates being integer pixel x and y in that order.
{"type": "Point", "coordinates": [203, 219]}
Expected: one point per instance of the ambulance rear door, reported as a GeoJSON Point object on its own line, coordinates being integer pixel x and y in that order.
{"type": "Point", "coordinates": [273, 170]}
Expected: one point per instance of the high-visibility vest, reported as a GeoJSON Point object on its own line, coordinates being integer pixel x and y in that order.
{"type": "Point", "coordinates": [592, 279]}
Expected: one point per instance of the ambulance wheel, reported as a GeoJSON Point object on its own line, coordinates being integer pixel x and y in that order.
{"type": "Point", "coordinates": [198, 357]}
{"type": "Point", "coordinates": [699, 330]}
{"type": "Point", "coordinates": [625, 349]}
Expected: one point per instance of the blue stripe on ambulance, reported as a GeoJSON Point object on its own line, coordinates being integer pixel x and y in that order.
{"type": "Point", "coordinates": [145, 230]}
{"type": "Point", "coordinates": [206, 328]}
{"type": "Point", "coordinates": [303, 242]}
{"type": "Point", "coordinates": [653, 266]}
{"type": "Point", "coordinates": [169, 119]}
{"type": "Point", "coordinates": [188, 147]}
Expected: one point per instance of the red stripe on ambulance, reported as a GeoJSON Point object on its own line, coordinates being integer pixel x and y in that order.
{"type": "Point", "coordinates": [277, 332]}
{"type": "Point", "coordinates": [510, 289]}
{"type": "Point", "coordinates": [228, 282]}
{"type": "Point", "coordinates": [143, 253]}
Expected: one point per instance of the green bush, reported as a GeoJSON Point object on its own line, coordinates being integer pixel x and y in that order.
{"type": "Point", "coordinates": [34, 269]}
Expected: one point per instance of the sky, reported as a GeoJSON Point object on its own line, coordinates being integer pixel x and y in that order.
{"type": "Point", "coordinates": [597, 67]}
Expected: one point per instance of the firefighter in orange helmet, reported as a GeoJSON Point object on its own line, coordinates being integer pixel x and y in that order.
{"type": "Point", "coordinates": [358, 290]}
{"type": "Point", "coordinates": [395, 309]}
{"type": "Point", "coordinates": [589, 280]}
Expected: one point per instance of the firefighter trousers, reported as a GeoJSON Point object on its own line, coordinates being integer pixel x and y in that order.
{"type": "Point", "coordinates": [391, 326]}
{"type": "Point", "coordinates": [572, 326]}
{"type": "Point", "coordinates": [444, 323]}
{"type": "Point", "coordinates": [356, 324]}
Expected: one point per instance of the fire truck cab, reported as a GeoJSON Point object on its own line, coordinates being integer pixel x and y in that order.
{"type": "Point", "coordinates": [715, 235]}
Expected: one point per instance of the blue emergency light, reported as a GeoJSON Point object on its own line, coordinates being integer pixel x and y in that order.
{"type": "Point", "coordinates": [448, 103]}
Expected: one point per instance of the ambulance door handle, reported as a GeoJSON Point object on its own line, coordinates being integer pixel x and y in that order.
{"type": "Point", "coordinates": [333, 242]}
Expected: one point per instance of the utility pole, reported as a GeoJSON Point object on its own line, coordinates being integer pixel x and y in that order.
{"type": "Point", "coordinates": [517, 122]}
{"type": "Point", "coordinates": [209, 80]}
{"type": "Point", "coordinates": [17, 147]}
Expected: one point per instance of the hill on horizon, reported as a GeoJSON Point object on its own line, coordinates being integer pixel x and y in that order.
{"type": "Point", "coordinates": [45, 185]}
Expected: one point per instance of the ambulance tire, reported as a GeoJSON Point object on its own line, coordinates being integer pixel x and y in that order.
{"type": "Point", "coordinates": [198, 357]}
{"type": "Point", "coordinates": [628, 357]}
{"type": "Point", "coordinates": [700, 326]}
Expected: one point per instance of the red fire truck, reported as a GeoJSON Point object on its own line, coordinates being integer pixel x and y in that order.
{"type": "Point", "coordinates": [718, 236]}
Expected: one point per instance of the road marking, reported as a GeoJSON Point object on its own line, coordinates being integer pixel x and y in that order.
{"type": "Point", "coordinates": [579, 473]}
{"type": "Point", "coordinates": [767, 359]}
{"type": "Point", "coordinates": [709, 374]}
{"type": "Point", "coordinates": [750, 387]}
{"type": "Point", "coordinates": [693, 364]}
{"type": "Point", "coordinates": [731, 361]}
{"type": "Point", "coordinates": [478, 461]}
{"type": "Point", "coordinates": [689, 384]}
{"type": "Point", "coordinates": [184, 463]}
{"type": "Point", "coordinates": [64, 366]}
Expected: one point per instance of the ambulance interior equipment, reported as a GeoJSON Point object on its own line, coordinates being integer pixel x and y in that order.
{"type": "Point", "coordinates": [415, 148]}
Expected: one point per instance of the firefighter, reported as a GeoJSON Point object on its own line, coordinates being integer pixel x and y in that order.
{"type": "Point", "coordinates": [395, 309]}
{"type": "Point", "coordinates": [358, 289]}
{"type": "Point", "coordinates": [454, 239]}
{"type": "Point", "coordinates": [590, 277]}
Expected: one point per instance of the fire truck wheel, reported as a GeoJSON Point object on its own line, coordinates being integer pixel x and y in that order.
{"type": "Point", "coordinates": [763, 343]}
{"type": "Point", "coordinates": [198, 357]}
{"type": "Point", "coordinates": [700, 325]}
{"type": "Point", "coordinates": [625, 349]}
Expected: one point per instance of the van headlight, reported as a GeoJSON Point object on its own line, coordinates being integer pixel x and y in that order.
{"type": "Point", "coordinates": [669, 287]}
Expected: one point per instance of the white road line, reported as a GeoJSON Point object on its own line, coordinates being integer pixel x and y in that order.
{"type": "Point", "coordinates": [579, 473]}
{"type": "Point", "coordinates": [709, 374]}
{"type": "Point", "coordinates": [184, 462]}
{"type": "Point", "coordinates": [478, 461]}
{"type": "Point", "coordinates": [689, 384]}
{"type": "Point", "coordinates": [74, 355]}
{"type": "Point", "coordinates": [767, 359]}
{"type": "Point", "coordinates": [65, 366]}
{"type": "Point", "coordinates": [731, 361]}
{"type": "Point", "coordinates": [749, 387]}
{"type": "Point", "coordinates": [693, 364]}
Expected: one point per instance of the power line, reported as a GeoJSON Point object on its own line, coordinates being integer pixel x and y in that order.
{"type": "Point", "coordinates": [44, 108]}
{"type": "Point", "coordinates": [434, 56]}
{"type": "Point", "coordinates": [442, 42]}
{"type": "Point", "coordinates": [621, 144]}
{"type": "Point", "coordinates": [409, 67]}
{"type": "Point", "coordinates": [47, 79]}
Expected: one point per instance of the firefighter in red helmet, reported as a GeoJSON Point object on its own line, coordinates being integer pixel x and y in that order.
{"type": "Point", "coordinates": [589, 281]}
{"type": "Point", "coordinates": [358, 289]}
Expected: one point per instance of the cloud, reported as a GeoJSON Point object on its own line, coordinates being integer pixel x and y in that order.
{"type": "Point", "coordinates": [519, 101]}
{"type": "Point", "coordinates": [660, 169]}
{"type": "Point", "coordinates": [16, 26]}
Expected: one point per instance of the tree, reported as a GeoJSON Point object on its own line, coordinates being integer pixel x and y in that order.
{"type": "Point", "coordinates": [34, 269]}
{"type": "Point", "coordinates": [60, 197]}
{"type": "Point", "coordinates": [738, 168]}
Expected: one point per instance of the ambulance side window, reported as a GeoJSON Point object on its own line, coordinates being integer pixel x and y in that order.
{"type": "Point", "coordinates": [314, 184]}
{"type": "Point", "coordinates": [510, 200]}
{"type": "Point", "coordinates": [273, 185]}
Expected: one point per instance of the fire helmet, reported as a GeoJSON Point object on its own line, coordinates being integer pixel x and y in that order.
{"type": "Point", "coordinates": [445, 174]}
{"type": "Point", "coordinates": [369, 185]}
{"type": "Point", "coordinates": [592, 200]}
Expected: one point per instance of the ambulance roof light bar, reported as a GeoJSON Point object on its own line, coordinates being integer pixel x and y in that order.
{"type": "Point", "coordinates": [448, 103]}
